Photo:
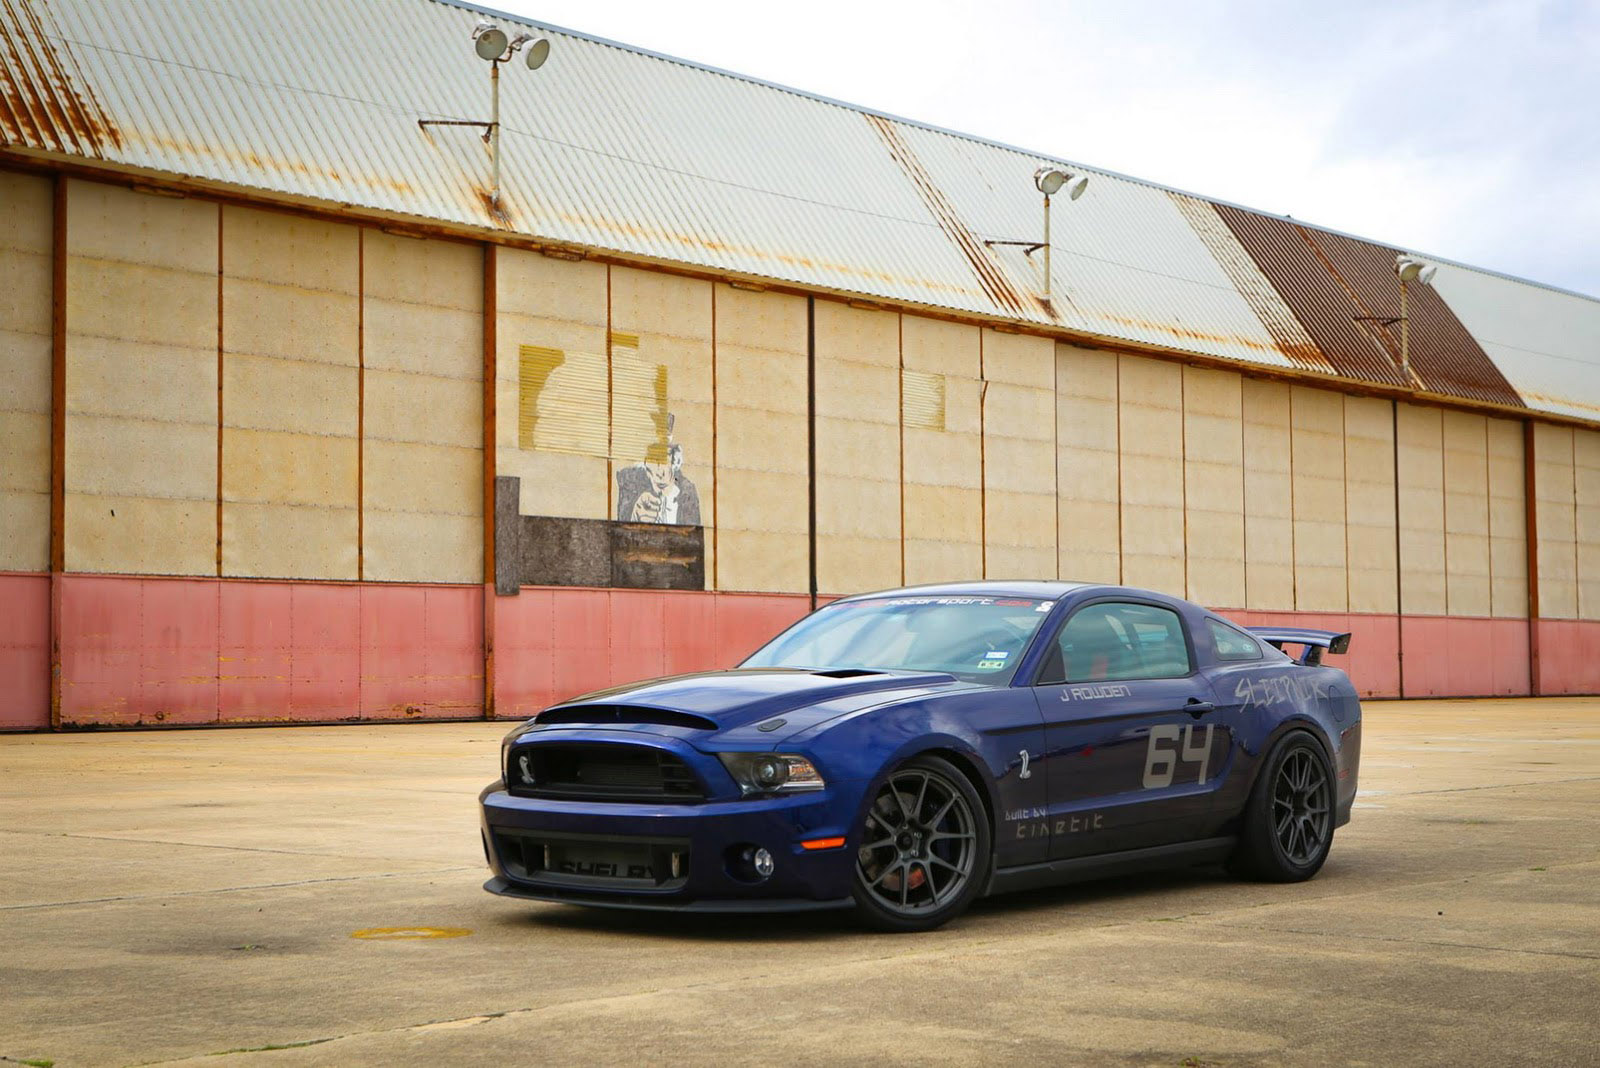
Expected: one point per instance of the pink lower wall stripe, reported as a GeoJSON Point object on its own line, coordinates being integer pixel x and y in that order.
{"type": "Point", "coordinates": [141, 651]}
{"type": "Point", "coordinates": [24, 651]}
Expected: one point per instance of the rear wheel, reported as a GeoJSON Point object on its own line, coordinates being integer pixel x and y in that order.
{"type": "Point", "coordinates": [925, 848]}
{"type": "Point", "coordinates": [1288, 822]}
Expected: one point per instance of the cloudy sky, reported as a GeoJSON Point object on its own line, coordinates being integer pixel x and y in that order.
{"type": "Point", "coordinates": [1468, 129]}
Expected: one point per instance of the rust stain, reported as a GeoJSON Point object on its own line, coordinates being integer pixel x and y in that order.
{"type": "Point", "coordinates": [994, 282]}
{"type": "Point", "coordinates": [42, 103]}
{"type": "Point", "coordinates": [1291, 338]}
{"type": "Point", "coordinates": [257, 161]}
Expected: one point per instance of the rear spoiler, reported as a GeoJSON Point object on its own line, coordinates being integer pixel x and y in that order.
{"type": "Point", "coordinates": [1315, 641]}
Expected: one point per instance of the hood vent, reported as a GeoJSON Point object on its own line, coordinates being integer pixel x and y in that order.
{"type": "Point", "coordinates": [664, 717]}
{"type": "Point", "coordinates": [847, 673]}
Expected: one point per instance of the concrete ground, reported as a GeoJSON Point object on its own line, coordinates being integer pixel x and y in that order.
{"type": "Point", "coordinates": [170, 897]}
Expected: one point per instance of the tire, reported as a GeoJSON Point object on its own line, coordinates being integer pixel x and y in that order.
{"type": "Point", "coordinates": [925, 848]}
{"type": "Point", "coordinates": [1287, 826]}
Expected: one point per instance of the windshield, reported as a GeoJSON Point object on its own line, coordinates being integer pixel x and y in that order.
{"type": "Point", "coordinates": [978, 639]}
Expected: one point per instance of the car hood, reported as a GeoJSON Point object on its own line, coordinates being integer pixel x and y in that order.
{"type": "Point", "coordinates": [746, 706]}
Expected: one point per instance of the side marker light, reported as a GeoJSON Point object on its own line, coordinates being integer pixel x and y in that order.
{"type": "Point", "coordinates": [823, 843]}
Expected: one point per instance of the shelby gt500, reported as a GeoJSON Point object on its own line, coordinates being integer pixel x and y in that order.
{"type": "Point", "coordinates": [907, 752]}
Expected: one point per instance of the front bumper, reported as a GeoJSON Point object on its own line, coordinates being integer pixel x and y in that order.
{"type": "Point", "coordinates": [521, 835]}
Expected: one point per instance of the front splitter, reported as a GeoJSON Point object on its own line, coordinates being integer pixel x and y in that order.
{"type": "Point", "coordinates": [506, 888]}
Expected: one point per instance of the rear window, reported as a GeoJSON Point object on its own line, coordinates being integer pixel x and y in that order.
{"type": "Point", "coordinates": [1232, 643]}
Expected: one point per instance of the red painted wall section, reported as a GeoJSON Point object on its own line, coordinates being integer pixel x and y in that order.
{"type": "Point", "coordinates": [167, 651]}
{"type": "Point", "coordinates": [553, 643]}
{"type": "Point", "coordinates": [1373, 662]}
{"type": "Point", "coordinates": [1569, 656]}
{"type": "Point", "coordinates": [24, 651]}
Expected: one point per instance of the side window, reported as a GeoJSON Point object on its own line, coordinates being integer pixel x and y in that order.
{"type": "Point", "coordinates": [1232, 643]}
{"type": "Point", "coordinates": [1112, 641]}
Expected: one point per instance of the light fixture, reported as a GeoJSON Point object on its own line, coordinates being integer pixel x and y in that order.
{"type": "Point", "coordinates": [492, 45]}
{"type": "Point", "coordinates": [1050, 181]}
{"type": "Point", "coordinates": [1409, 269]}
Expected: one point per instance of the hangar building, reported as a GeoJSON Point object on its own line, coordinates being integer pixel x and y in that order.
{"type": "Point", "coordinates": [303, 422]}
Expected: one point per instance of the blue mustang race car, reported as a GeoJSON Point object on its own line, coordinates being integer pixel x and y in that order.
{"type": "Point", "coordinates": [907, 752]}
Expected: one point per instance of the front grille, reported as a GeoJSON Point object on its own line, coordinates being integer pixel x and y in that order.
{"type": "Point", "coordinates": [600, 772]}
{"type": "Point", "coordinates": [610, 862]}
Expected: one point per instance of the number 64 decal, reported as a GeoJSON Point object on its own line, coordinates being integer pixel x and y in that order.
{"type": "Point", "coordinates": [1160, 764]}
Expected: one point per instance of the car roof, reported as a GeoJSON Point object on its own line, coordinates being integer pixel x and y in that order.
{"type": "Point", "coordinates": [1049, 590]}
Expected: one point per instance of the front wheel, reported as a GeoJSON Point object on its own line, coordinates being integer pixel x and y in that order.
{"type": "Point", "coordinates": [925, 848]}
{"type": "Point", "coordinates": [1287, 828]}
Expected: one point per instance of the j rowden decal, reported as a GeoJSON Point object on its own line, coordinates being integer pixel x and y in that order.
{"type": "Point", "coordinates": [1161, 764]}
{"type": "Point", "coordinates": [1094, 693]}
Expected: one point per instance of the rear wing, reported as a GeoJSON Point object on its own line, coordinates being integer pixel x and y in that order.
{"type": "Point", "coordinates": [1315, 641]}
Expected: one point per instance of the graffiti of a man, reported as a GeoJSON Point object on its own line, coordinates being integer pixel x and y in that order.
{"type": "Point", "coordinates": [657, 490]}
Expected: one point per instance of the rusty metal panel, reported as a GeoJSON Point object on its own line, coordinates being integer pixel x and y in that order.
{"type": "Point", "coordinates": [1301, 276]}
{"type": "Point", "coordinates": [1444, 356]}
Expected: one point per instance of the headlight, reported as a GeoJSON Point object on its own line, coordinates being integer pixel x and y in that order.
{"type": "Point", "coordinates": [771, 773]}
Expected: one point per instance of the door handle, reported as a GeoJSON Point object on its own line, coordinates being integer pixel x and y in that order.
{"type": "Point", "coordinates": [1198, 708]}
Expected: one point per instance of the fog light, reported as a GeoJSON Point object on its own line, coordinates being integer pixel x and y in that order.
{"type": "Point", "coordinates": [762, 860]}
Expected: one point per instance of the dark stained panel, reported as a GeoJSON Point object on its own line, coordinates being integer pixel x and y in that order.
{"type": "Point", "coordinates": [1345, 293]}
{"type": "Point", "coordinates": [1444, 356]}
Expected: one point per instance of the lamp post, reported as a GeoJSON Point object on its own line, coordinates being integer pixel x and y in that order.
{"type": "Point", "coordinates": [1409, 269]}
{"type": "Point", "coordinates": [1051, 180]}
{"type": "Point", "coordinates": [492, 45]}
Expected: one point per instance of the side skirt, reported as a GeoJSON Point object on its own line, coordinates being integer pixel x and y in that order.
{"type": "Point", "coordinates": [1107, 865]}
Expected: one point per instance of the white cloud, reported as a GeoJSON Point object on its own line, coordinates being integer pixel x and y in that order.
{"type": "Point", "coordinates": [1462, 129]}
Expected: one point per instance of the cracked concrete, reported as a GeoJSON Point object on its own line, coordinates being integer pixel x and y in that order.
{"type": "Point", "coordinates": [165, 897]}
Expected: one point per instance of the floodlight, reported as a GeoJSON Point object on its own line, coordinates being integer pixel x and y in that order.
{"type": "Point", "coordinates": [491, 42]}
{"type": "Point", "coordinates": [1076, 185]}
{"type": "Point", "coordinates": [1411, 269]}
{"type": "Point", "coordinates": [538, 52]}
{"type": "Point", "coordinates": [1049, 180]}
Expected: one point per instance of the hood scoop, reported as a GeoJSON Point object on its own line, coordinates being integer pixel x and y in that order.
{"type": "Point", "coordinates": [612, 714]}
{"type": "Point", "coordinates": [848, 673]}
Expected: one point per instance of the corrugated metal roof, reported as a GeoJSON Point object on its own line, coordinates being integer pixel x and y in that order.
{"type": "Point", "coordinates": [621, 150]}
{"type": "Point", "coordinates": [1545, 341]}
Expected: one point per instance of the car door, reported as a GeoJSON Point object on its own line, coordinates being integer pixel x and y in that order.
{"type": "Point", "coordinates": [1129, 748]}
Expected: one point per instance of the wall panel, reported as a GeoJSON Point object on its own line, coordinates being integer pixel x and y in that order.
{"type": "Point", "coordinates": [762, 477]}
{"type": "Point", "coordinates": [26, 262]}
{"type": "Point", "coordinates": [1151, 429]}
{"type": "Point", "coordinates": [1316, 444]}
{"type": "Point", "coordinates": [1555, 497]}
{"type": "Point", "coordinates": [943, 444]}
{"type": "Point", "coordinates": [1420, 471]}
{"type": "Point", "coordinates": [1466, 513]}
{"type": "Point", "coordinates": [560, 307]}
{"type": "Point", "coordinates": [290, 396]}
{"type": "Point", "coordinates": [422, 457]}
{"type": "Point", "coordinates": [141, 434]}
{"type": "Point", "coordinates": [1268, 497]}
{"type": "Point", "coordinates": [858, 448]}
{"type": "Point", "coordinates": [1213, 429]}
{"type": "Point", "coordinates": [1369, 503]}
{"type": "Point", "coordinates": [1508, 521]}
{"type": "Point", "coordinates": [1089, 503]}
{"type": "Point", "coordinates": [1586, 521]}
{"type": "Point", "coordinates": [1019, 441]}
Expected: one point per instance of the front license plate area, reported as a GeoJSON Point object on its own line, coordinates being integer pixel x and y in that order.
{"type": "Point", "coordinates": [599, 862]}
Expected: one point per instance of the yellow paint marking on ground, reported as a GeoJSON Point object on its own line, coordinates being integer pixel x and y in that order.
{"type": "Point", "coordinates": [398, 934]}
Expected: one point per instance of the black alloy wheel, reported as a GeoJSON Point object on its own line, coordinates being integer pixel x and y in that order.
{"type": "Point", "coordinates": [1287, 826]}
{"type": "Point", "coordinates": [924, 849]}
